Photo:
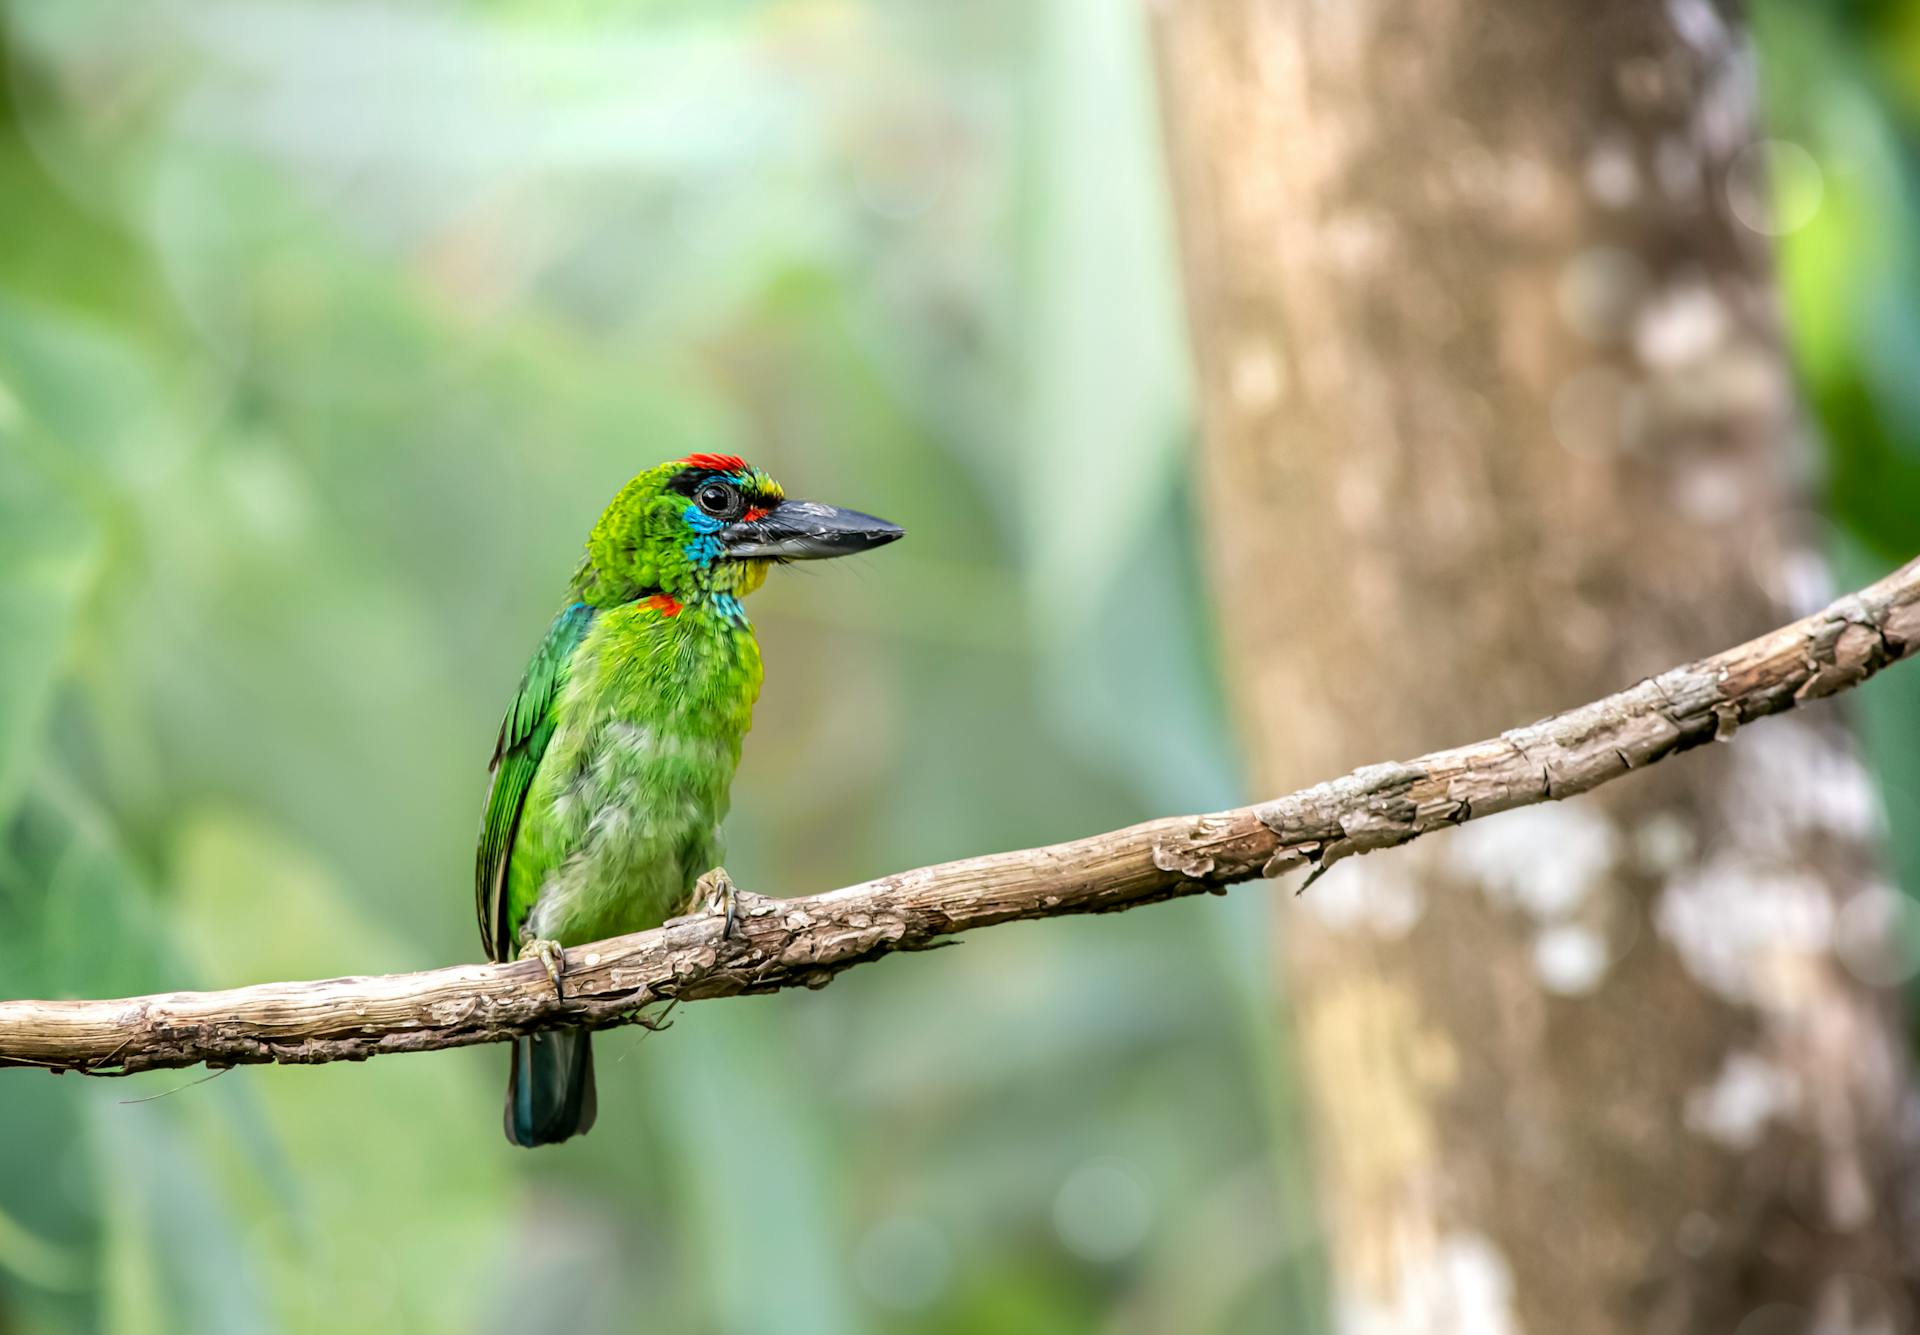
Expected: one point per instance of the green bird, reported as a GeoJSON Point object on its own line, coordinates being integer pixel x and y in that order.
{"type": "Point", "coordinates": [612, 771]}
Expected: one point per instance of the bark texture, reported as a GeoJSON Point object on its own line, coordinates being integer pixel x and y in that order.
{"type": "Point", "coordinates": [1495, 405]}
{"type": "Point", "coordinates": [805, 942]}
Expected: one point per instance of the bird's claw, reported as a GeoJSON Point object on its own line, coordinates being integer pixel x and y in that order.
{"type": "Point", "coordinates": [715, 892]}
{"type": "Point", "coordinates": [552, 957]}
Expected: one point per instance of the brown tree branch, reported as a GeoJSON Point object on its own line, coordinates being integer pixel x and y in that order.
{"type": "Point", "coordinates": [805, 942]}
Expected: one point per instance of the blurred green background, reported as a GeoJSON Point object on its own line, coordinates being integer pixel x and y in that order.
{"type": "Point", "coordinates": [325, 331]}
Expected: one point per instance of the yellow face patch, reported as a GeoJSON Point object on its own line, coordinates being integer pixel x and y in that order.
{"type": "Point", "coordinates": [747, 576]}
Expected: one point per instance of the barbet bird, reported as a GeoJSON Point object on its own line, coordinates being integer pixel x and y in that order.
{"type": "Point", "coordinates": [611, 775]}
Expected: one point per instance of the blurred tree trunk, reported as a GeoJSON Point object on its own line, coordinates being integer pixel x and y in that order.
{"type": "Point", "coordinates": [1496, 420]}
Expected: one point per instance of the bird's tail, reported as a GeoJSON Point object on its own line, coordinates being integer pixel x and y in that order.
{"type": "Point", "coordinates": [550, 1095]}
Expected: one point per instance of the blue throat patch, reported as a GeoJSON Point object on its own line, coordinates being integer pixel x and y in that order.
{"type": "Point", "coordinates": [703, 549]}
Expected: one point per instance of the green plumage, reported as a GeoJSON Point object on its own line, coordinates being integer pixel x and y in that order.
{"type": "Point", "coordinates": [524, 735]}
{"type": "Point", "coordinates": [614, 762]}
{"type": "Point", "coordinates": [625, 806]}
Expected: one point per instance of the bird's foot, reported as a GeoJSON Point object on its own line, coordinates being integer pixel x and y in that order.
{"type": "Point", "coordinates": [714, 893]}
{"type": "Point", "coordinates": [551, 955]}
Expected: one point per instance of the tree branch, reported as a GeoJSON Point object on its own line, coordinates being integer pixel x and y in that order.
{"type": "Point", "coordinates": [805, 942]}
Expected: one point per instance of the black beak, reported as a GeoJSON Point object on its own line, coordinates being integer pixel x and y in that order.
{"type": "Point", "coordinates": [806, 531]}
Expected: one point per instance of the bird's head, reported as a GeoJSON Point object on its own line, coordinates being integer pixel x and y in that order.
{"type": "Point", "coordinates": [711, 524]}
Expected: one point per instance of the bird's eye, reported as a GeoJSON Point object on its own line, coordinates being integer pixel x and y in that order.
{"type": "Point", "coordinates": [720, 499]}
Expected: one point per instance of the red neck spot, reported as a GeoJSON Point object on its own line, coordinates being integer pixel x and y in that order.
{"type": "Point", "coordinates": [718, 463]}
{"type": "Point", "coordinates": [665, 604]}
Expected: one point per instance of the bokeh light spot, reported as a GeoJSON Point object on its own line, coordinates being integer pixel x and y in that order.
{"type": "Point", "coordinates": [1685, 324]}
{"type": "Point", "coordinates": [903, 1262]}
{"type": "Point", "coordinates": [1873, 936]}
{"type": "Point", "coordinates": [1103, 1211]}
{"type": "Point", "coordinates": [1571, 959]}
{"type": "Point", "coordinates": [1613, 176]}
{"type": "Point", "coordinates": [1774, 187]}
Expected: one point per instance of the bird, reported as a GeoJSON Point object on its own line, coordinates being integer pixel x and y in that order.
{"type": "Point", "coordinates": [612, 771]}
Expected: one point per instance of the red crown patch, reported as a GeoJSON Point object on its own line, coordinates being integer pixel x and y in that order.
{"type": "Point", "coordinates": [718, 463]}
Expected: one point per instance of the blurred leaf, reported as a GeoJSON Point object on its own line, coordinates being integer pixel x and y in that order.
{"type": "Point", "coordinates": [1851, 276]}
{"type": "Point", "coordinates": [92, 926]}
{"type": "Point", "coordinates": [86, 388]}
{"type": "Point", "coordinates": [1851, 279]}
{"type": "Point", "coordinates": [375, 1174]}
{"type": "Point", "coordinates": [37, 1261]}
{"type": "Point", "coordinates": [1108, 392]}
{"type": "Point", "coordinates": [172, 1260]}
{"type": "Point", "coordinates": [758, 1173]}
{"type": "Point", "coordinates": [48, 552]}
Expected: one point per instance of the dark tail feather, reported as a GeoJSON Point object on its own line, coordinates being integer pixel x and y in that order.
{"type": "Point", "coordinates": [550, 1094]}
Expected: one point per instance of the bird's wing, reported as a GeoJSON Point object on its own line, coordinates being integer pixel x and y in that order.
{"type": "Point", "coordinates": [524, 734]}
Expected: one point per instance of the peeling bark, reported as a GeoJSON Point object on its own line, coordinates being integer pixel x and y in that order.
{"type": "Point", "coordinates": [1495, 404]}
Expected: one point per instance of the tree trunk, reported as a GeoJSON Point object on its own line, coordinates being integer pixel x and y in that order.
{"type": "Point", "coordinates": [1478, 337]}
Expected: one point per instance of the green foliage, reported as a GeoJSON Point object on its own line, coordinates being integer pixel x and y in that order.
{"type": "Point", "coordinates": [1843, 83]}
